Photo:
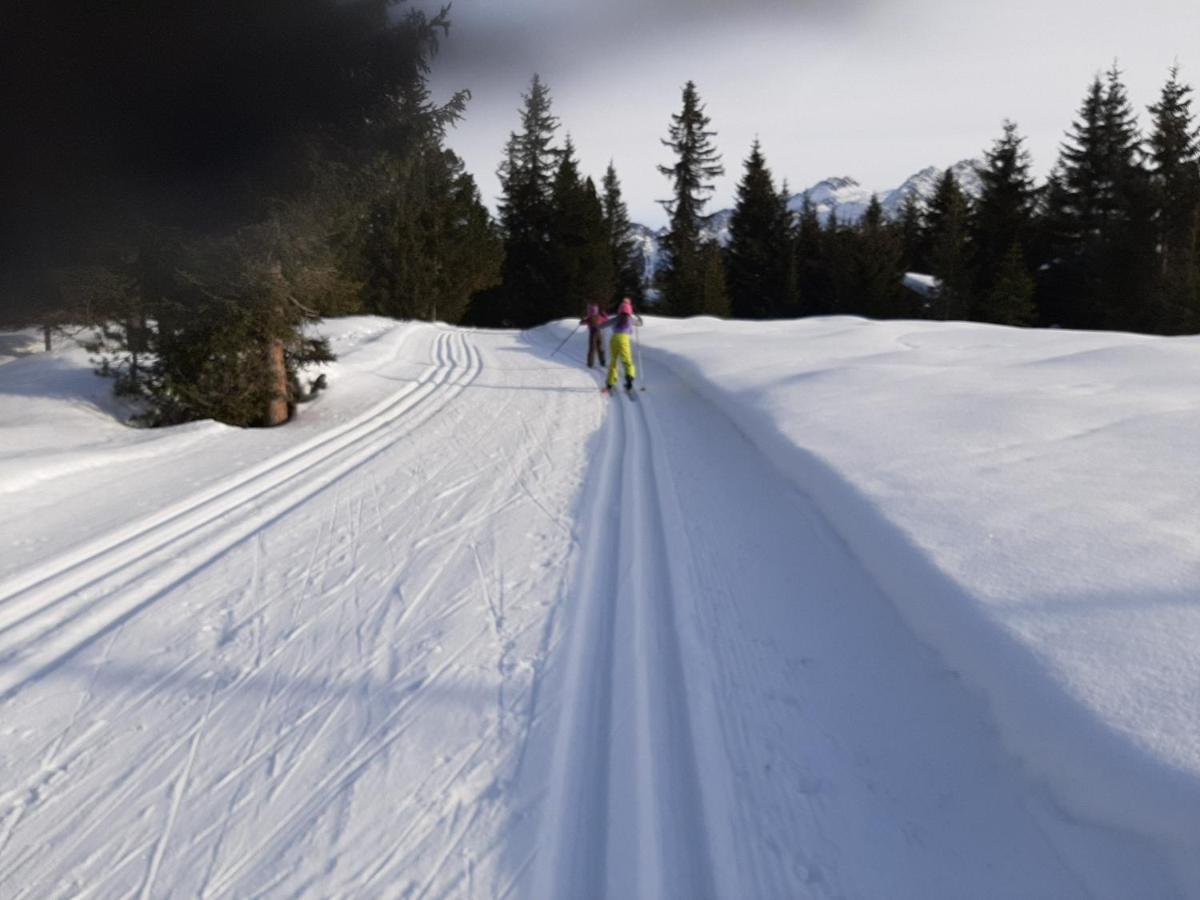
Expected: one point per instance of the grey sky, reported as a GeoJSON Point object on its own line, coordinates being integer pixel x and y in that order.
{"type": "Point", "coordinates": [876, 89]}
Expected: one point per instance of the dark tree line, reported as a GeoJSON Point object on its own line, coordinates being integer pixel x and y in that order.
{"type": "Point", "coordinates": [201, 181]}
{"type": "Point", "coordinates": [566, 243]}
{"type": "Point", "coordinates": [1111, 241]}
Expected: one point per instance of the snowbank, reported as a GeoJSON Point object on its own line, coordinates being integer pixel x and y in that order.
{"type": "Point", "coordinates": [1030, 501]}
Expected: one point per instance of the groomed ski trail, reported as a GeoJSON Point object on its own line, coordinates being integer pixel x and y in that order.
{"type": "Point", "coordinates": [624, 787]}
{"type": "Point", "coordinates": [50, 611]}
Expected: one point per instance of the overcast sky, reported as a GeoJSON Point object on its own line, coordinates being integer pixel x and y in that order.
{"type": "Point", "coordinates": [875, 89]}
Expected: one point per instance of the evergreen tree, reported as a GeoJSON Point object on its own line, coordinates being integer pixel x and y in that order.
{"type": "Point", "coordinates": [867, 267]}
{"type": "Point", "coordinates": [949, 254]}
{"type": "Point", "coordinates": [1174, 146]}
{"type": "Point", "coordinates": [713, 296]}
{"type": "Point", "coordinates": [757, 274]}
{"type": "Point", "coordinates": [582, 265]}
{"type": "Point", "coordinates": [527, 295]}
{"type": "Point", "coordinates": [241, 239]}
{"type": "Point", "coordinates": [1102, 245]}
{"type": "Point", "coordinates": [428, 242]}
{"type": "Point", "coordinates": [1002, 218]}
{"type": "Point", "coordinates": [812, 262]}
{"type": "Point", "coordinates": [1010, 295]}
{"type": "Point", "coordinates": [685, 279]}
{"type": "Point", "coordinates": [622, 249]}
{"type": "Point", "coordinates": [911, 228]}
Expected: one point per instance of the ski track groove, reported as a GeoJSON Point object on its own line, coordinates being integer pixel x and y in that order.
{"type": "Point", "coordinates": [460, 363]}
{"type": "Point", "coordinates": [311, 579]}
{"type": "Point", "coordinates": [92, 619]}
{"type": "Point", "coordinates": [625, 810]}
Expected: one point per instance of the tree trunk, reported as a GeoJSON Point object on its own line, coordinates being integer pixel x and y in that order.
{"type": "Point", "coordinates": [277, 406]}
{"type": "Point", "coordinates": [46, 337]}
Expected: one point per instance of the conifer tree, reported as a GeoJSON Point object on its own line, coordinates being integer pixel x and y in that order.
{"type": "Point", "coordinates": [1002, 218]}
{"type": "Point", "coordinates": [628, 276]}
{"type": "Point", "coordinates": [1010, 295]}
{"type": "Point", "coordinates": [1102, 245]}
{"type": "Point", "coordinates": [866, 267]}
{"type": "Point", "coordinates": [1174, 156]}
{"type": "Point", "coordinates": [757, 273]}
{"type": "Point", "coordinates": [911, 228]}
{"type": "Point", "coordinates": [582, 266]}
{"type": "Point", "coordinates": [685, 279]}
{"type": "Point", "coordinates": [812, 262]}
{"type": "Point", "coordinates": [949, 254]}
{"type": "Point", "coordinates": [527, 294]}
{"type": "Point", "coordinates": [713, 297]}
{"type": "Point", "coordinates": [429, 243]}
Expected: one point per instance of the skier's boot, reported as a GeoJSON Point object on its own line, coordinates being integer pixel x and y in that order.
{"type": "Point", "coordinates": [629, 382]}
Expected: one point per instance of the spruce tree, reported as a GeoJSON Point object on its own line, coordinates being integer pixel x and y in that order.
{"type": "Point", "coordinates": [622, 249]}
{"type": "Point", "coordinates": [527, 294]}
{"type": "Point", "coordinates": [911, 227]}
{"type": "Point", "coordinates": [243, 238]}
{"type": "Point", "coordinates": [866, 267]}
{"type": "Point", "coordinates": [1174, 156]}
{"type": "Point", "coordinates": [1102, 244]}
{"type": "Point", "coordinates": [949, 253]}
{"type": "Point", "coordinates": [582, 267]}
{"type": "Point", "coordinates": [1010, 296]}
{"type": "Point", "coordinates": [810, 252]}
{"type": "Point", "coordinates": [686, 280]}
{"type": "Point", "coordinates": [1002, 218]}
{"type": "Point", "coordinates": [757, 273]}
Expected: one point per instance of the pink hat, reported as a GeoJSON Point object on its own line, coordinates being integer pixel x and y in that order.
{"type": "Point", "coordinates": [626, 307]}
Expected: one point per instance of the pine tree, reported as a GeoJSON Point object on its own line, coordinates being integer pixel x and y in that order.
{"type": "Point", "coordinates": [1102, 244]}
{"type": "Point", "coordinates": [812, 262]}
{"type": "Point", "coordinates": [685, 279]}
{"type": "Point", "coordinates": [620, 240]}
{"type": "Point", "coordinates": [866, 267]}
{"type": "Point", "coordinates": [911, 227]}
{"type": "Point", "coordinates": [757, 274]}
{"type": "Point", "coordinates": [949, 254]}
{"type": "Point", "coordinates": [1010, 296]}
{"type": "Point", "coordinates": [1174, 146]}
{"type": "Point", "coordinates": [713, 294]}
{"type": "Point", "coordinates": [582, 266]}
{"type": "Point", "coordinates": [1002, 217]}
{"type": "Point", "coordinates": [244, 238]}
{"type": "Point", "coordinates": [527, 294]}
{"type": "Point", "coordinates": [428, 243]}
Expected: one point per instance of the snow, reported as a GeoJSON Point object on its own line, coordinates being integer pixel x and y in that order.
{"type": "Point", "coordinates": [1028, 501]}
{"type": "Point", "coordinates": [925, 285]}
{"type": "Point", "coordinates": [833, 608]}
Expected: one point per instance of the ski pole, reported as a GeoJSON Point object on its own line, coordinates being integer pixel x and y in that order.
{"type": "Point", "coordinates": [564, 341]}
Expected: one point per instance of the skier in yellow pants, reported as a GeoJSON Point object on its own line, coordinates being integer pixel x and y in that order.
{"type": "Point", "coordinates": [619, 349]}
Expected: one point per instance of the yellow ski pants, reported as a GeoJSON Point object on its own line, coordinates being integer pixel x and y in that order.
{"type": "Point", "coordinates": [618, 349]}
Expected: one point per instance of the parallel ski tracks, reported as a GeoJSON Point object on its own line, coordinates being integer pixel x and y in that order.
{"type": "Point", "coordinates": [52, 610]}
{"type": "Point", "coordinates": [624, 816]}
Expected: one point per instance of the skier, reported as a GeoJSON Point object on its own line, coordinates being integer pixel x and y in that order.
{"type": "Point", "coordinates": [618, 348]}
{"type": "Point", "coordinates": [594, 321]}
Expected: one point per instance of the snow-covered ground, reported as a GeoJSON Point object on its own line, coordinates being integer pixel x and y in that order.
{"type": "Point", "coordinates": [833, 609]}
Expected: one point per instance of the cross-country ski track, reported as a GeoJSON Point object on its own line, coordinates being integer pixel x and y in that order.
{"type": "Point", "coordinates": [499, 635]}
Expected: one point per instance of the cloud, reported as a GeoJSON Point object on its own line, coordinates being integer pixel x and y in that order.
{"type": "Point", "coordinates": [505, 36]}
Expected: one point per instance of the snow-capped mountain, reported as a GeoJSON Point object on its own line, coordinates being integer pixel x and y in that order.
{"type": "Point", "coordinates": [841, 195]}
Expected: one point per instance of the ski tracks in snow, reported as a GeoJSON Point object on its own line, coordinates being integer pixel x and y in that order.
{"type": "Point", "coordinates": [50, 611]}
{"type": "Point", "coordinates": [625, 814]}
